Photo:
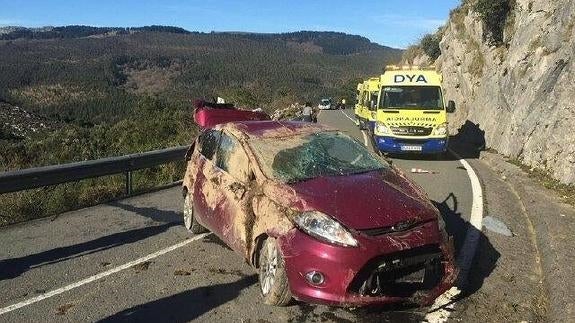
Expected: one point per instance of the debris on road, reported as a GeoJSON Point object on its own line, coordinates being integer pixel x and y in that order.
{"type": "Point", "coordinates": [180, 272]}
{"type": "Point", "coordinates": [423, 171]}
{"type": "Point", "coordinates": [105, 264]}
{"type": "Point", "coordinates": [62, 310]}
{"type": "Point", "coordinates": [142, 266]}
{"type": "Point", "coordinates": [495, 225]}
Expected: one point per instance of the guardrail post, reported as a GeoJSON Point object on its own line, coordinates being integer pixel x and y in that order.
{"type": "Point", "coordinates": [128, 183]}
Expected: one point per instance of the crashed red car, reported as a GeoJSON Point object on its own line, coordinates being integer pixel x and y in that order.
{"type": "Point", "coordinates": [322, 218]}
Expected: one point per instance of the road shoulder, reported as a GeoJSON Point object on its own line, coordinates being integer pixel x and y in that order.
{"type": "Point", "coordinates": [505, 277]}
{"type": "Point", "coordinates": [553, 224]}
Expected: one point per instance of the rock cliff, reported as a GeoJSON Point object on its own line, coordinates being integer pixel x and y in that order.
{"type": "Point", "coordinates": [521, 91]}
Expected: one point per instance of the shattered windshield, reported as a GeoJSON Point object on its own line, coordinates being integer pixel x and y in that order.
{"type": "Point", "coordinates": [411, 98]}
{"type": "Point", "coordinates": [304, 157]}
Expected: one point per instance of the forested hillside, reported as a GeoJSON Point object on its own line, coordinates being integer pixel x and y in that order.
{"type": "Point", "coordinates": [111, 91]}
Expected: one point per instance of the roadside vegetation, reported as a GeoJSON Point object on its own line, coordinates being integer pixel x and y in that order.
{"type": "Point", "coordinates": [79, 93]}
{"type": "Point", "coordinates": [565, 191]}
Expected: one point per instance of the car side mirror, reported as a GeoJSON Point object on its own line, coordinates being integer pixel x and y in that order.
{"type": "Point", "coordinates": [372, 105]}
{"type": "Point", "coordinates": [450, 106]}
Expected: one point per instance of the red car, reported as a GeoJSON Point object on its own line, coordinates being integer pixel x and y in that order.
{"type": "Point", "coordinates": [323, 219]}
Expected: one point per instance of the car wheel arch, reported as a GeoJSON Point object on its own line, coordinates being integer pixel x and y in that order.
{"type": "Point", "coordinates": [258, 245]}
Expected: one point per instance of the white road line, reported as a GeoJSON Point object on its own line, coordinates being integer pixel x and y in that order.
{"type": "Point", "coordinates": [99, 276]}
{"type": "Point", "coordinates": [365, 138]}
{"type": "Point", "coordinates": [350, 118]}
{"type": "Point", "coordinates": [443, 306]}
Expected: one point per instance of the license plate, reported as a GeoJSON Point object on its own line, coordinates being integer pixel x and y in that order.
{"type": "Point", "coordinates": [411, 148]}
{"type": "Point", "coordinates": [414, 277]}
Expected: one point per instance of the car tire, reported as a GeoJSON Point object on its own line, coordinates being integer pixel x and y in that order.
{"type": "Point", "coordinates": [190, 222]}
{"type": "Point", "coordinates": [273, 279]}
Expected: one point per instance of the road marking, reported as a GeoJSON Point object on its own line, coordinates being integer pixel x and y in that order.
{"type": "Point", "coordinates": [99, 276]}
{"type": "Point", "coordinates": [365, 138]}
{"type": "Point", "coordinates": [345, 114]}
{"type": "Point", "coordinates": [444, 304]}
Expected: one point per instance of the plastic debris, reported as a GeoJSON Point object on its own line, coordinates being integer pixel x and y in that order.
{"type": "Point", "coordinates": [495, 225]}
{"type": "Point", "coordinates": [422, 171]}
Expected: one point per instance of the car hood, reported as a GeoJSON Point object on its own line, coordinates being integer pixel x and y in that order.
{"type": "Point", "coordinates": [370, 200]}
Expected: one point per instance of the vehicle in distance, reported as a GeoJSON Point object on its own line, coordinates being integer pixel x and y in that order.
{"type": "Point", "coordinates": [322, 218]}
{"type": "Point", "coordinates": [325, 104]}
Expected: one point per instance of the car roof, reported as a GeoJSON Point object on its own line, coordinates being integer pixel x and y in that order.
{"type": "Point", "coordinates": [273, 128]}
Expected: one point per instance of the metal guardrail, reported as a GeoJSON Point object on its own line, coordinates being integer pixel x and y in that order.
{"type": "Point", "coordinates": [24, 179]}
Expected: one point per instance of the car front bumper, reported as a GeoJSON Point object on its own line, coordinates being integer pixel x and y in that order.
{"type": "Point", "coordinates": [346, 268]}
{"type": "Point", "coordinates": [398, 146]}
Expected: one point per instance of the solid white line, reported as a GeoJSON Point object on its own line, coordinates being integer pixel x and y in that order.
{"type": "Point", "coordinates": [345, 114]}
{"type": "Point", "coordinates": [99, 276]}
{"type": "Point", "coordinates": [365, 139]}
{"type": "Point", "coordinates": [443, 306]}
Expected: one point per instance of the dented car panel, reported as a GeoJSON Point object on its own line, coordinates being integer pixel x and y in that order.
{"type": "Point", "coordinates": [244, 197]}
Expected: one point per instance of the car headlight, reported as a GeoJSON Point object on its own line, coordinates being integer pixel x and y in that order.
{"type": "Point", "coordinates": [441, 130]}
{"type": "Point", "coordinates": [382, 129]}
{"type": "Point", "coordinates": [323, 227]}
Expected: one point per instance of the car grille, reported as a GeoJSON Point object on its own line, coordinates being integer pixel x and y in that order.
{"type": "Point", "coordinates": [400, 274]}
{"type": "Point", "coordinates": [397, 227]}
{"type": "Point", "coordinates": [411, 131]}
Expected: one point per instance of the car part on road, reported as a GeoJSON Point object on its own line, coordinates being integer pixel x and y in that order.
{"type": "Point", "coordinates": [273, 279]}
{"type": "Point", "coordinates": [422, 171]}
{"type": "Point", "coordinates": [497, 226]}
{"type": "Point", "coordinates": [190, 222]}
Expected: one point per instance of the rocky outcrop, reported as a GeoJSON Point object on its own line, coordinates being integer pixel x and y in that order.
{"type": "Point", "coordinates": [520, 93]}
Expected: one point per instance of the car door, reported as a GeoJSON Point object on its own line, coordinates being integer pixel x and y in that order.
{"type": "Point", "coordinates": [205, 198]}
{"type": "Point", "coordinates": [233, 176]}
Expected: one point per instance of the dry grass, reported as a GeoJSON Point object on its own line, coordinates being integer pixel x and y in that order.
{"type": "Point", "coordinates": [411, 53]}
{"type": "Point", "coordinates": [565, 191]}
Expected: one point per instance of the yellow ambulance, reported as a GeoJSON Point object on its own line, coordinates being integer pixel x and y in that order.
{"type": "Point", "coordinates": [368, 109]}
{"type": "Point", "coordinates": [411, 112]}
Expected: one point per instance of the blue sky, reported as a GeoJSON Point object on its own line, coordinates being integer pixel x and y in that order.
{"type": "Point", "coordinates": [395, 23]}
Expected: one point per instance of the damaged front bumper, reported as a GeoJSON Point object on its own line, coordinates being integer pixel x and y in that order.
{"type": "Point", "coordinates": [392, 268]}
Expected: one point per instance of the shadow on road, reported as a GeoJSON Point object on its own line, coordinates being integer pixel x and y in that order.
{"type": "Point", "coordinates": [485, 257]}
{"type": "Point", "coordinates": [185, 306]}
{"type": "Point", "coordinates": [14, 267]}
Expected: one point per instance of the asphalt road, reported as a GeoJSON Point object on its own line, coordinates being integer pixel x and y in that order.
{"type": "Point", "coordinates": [73, 267]}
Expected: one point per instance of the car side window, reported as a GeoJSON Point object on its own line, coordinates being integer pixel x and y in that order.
{"type": "Point", "coordinates": [209, 143]}
{"type": "Point", "coordinates": [232, 158]}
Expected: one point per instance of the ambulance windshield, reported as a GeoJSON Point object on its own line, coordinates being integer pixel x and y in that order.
{"type": "Point", "coordinates": [411, 98]}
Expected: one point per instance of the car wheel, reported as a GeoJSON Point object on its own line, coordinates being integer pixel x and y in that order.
{"type": "Point", "coordinates": [272, 275]}
{"type": "Point", "coordinates": [190, 222]}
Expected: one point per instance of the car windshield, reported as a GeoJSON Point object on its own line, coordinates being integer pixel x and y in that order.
{"type": "Point", "coordinates": [325, 102]}
{"type": "Point", "coordinates": [308, 156]}
{"type": "Point", "coordinates": [411, 98]}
